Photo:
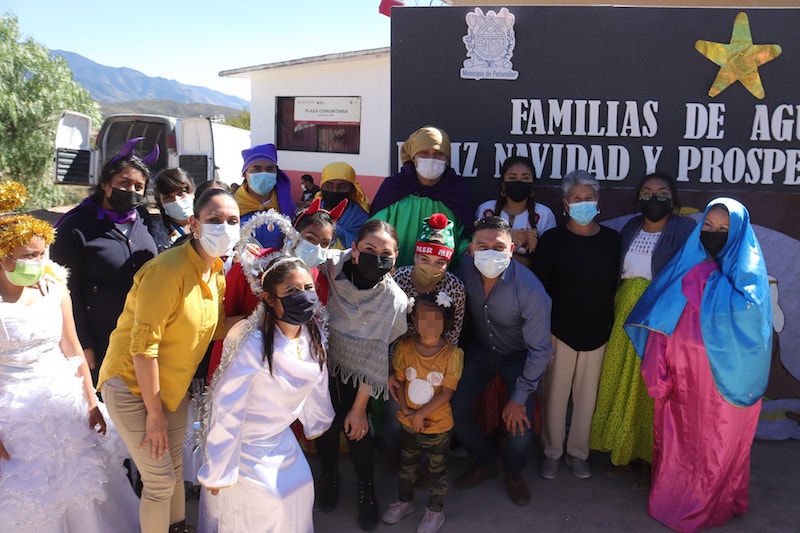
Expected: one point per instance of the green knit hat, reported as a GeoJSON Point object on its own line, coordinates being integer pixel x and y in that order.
{"type": "Point", "coordinates": [437, 237]}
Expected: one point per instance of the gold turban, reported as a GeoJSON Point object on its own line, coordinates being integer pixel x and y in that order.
{"type": "Point", "coordinates": [342, 171]}
{"type": "Point", "coordinates": [424, 139]}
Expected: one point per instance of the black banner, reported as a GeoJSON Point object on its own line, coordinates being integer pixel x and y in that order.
{"type": "Point", "coordinates": [618, 91]}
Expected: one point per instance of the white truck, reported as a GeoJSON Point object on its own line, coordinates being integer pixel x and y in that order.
{"type": "Point", "coordinates": [204, 149]}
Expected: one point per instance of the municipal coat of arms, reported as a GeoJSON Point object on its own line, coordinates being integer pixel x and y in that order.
{"type": "Point", "coordinates": [490, 45]}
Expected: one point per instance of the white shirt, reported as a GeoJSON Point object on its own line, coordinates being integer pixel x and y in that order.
{"type": "Point", "coordinates": [638, 262]}
{"type": "Point", "coordinates": [547, 219]}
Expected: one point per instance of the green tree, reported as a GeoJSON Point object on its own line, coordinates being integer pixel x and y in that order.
{"type": "Point", "coordinates": [34, 89]}
{"type": "Point", "coordinates": [242, 120]}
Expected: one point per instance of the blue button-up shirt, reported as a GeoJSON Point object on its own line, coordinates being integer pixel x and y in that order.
{"type": "Point", "coordinates": [514, 318]}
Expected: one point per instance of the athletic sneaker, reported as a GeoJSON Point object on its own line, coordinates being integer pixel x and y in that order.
{"type": "Point", "coordinates": [397, 511]}
{"type": "Point", "coordinates": [549, 468]}
{"type": "Point", "coordinates": [431, 522]}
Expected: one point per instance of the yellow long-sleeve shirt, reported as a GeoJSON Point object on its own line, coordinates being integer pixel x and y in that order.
{"type": "Point", "coordinates": [170, 313]}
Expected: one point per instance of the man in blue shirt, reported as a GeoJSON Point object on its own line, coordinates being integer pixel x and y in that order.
{"type": "Point", "coordinates": [510, 312]}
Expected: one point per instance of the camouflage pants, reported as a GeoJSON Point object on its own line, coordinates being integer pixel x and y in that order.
{"type": "Point", "coordinates": [414, 446]}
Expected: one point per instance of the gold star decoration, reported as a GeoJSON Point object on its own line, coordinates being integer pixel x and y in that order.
{"type": "Point", "coordinates": [738, 60]}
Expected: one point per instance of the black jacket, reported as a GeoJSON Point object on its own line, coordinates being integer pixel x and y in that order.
{"type": "Point", "coordinates": [102, 262]}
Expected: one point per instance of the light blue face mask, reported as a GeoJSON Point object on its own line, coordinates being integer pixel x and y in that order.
{"type": "Point", "coordinates": [180, 209]}
{"type": "Point", "coordinates": [262, 183]}
{"type": "Point", "coordinates": [311, 254]}
{"type": "Point", "coordinates": [583, 212]}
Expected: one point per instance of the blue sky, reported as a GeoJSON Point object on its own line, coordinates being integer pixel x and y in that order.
{"type": "Point", "coordinates": [192, 41]}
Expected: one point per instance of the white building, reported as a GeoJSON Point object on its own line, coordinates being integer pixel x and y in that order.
{"type": "Point", "coordinates": [322, 109]}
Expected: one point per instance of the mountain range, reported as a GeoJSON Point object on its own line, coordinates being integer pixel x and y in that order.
{"type": "Point", "coordinates": [114, 85]}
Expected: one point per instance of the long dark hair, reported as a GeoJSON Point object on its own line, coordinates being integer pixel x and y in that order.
{"type": "Point", "coordinates": [276, 272]}
{"type": "Point", "coordinates": [501, 196]}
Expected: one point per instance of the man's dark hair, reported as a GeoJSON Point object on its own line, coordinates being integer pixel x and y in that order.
{"type": "Point", "coordinates": [492, 222]}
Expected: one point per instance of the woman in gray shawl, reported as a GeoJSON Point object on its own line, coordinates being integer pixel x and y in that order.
{"type": "Point", "coordinates": [367, 311]}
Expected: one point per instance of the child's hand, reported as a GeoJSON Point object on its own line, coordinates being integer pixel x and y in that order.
{"type": "Point", "coordinates": [394, 387]}
{"type": "Point", "coordinates": [417, 422]}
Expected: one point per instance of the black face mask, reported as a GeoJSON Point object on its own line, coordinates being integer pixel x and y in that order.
{"type": "Point", "coordinates": [518, 190]}
{"type": "Point", "coordinates": [299, 307]}
{"type": "Point", "coordinates": [331, 199]}
{"type": "Point", "coordinates": [371, 268]}
{"type": "Point", "coordinates": [124, 201]}
{"type": "Point", "coordinates": [654, 209]}
{"type": "Point", "coordinates": [713, 241]}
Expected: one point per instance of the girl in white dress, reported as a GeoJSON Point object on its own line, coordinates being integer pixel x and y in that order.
{"type": "Point", "coordinates": [272, 372]}
{"type": "Point", "coordinates": [59, 470]}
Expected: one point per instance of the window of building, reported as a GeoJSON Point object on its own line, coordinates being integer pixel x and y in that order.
{"type": "Point", "coordinates": [319, 124]}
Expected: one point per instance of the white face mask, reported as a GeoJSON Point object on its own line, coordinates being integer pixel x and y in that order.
{"type": "Point", "coordinates": [218, 240]}
{"type": "Point", "coordinates": [181, 208]}
{"type": "Point", "coordinates": [311, 254]}
{"type": "Point", "coordinates": [429, 168]}
{"type": "Point", "coordinates": [491, 263]}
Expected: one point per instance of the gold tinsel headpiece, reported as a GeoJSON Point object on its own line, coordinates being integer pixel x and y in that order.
{"type": "Point", "coordinates": [17, 229]}
{"type": "Point", "coordinates": [12, 195]}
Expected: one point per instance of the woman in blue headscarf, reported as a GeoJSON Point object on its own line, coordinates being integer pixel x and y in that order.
{"type": "Point", "coordinates": [703, 329]}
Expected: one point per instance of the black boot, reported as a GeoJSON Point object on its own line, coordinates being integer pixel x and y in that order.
{"type": "Point", "coordinates": [328, 496]}
{"type": "Point", "coordinates": [180, 527]}
{"type": "Point", "coordinates": [367, 506]}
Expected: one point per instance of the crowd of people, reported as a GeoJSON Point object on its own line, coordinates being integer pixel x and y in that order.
{"type": "Point", "coordinates": [339, 323]}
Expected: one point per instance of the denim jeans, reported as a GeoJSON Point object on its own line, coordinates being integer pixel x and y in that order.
{"type": "Point", "coordinates": [480, 367]}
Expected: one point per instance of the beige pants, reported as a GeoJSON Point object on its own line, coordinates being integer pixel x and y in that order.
{"type": "Point", "coordinates": [576, 373]}
{"type": "Point", "coordinates": [163, 500]}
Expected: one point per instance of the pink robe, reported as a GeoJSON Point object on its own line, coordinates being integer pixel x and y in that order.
{"type": "Point", "coordinates": [701, 459]}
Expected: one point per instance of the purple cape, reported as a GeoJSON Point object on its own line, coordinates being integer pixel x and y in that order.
{"type": "Point", "coordinates": [451, 190]}
{"type": "Point", "coordinates": [283, 189]}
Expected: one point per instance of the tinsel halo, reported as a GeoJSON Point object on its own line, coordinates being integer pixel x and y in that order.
{"type": "Point", "coordinates": [12, 195]}
{"type": "Point", "coordinates": [19, 230]}
{"type": "Point", "coordinates": [253, 266]}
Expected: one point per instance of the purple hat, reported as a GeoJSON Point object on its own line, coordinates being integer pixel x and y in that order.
{"type": "Point", "coordinates": [262, 152]}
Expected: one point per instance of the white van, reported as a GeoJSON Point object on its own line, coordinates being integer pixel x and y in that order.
{"type": "Point", "coordinates": [204, 149]}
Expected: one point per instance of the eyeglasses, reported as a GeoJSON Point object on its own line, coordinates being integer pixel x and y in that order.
{"type": "Point", "coordinates": [662, 196]}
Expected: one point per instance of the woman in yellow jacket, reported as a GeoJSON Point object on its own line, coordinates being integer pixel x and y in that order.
{"type": "Point", "coordinates": [172, 312]}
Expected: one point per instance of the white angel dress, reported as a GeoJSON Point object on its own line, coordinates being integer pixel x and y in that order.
{"type": "Point", "coordinates": [62, 475]}
{"type": "Point", "coordinates": [250, 448]}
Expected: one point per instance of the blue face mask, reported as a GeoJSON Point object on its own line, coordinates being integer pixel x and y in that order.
{"type": "Point", "coordinates": [583, 212]}
{"type": "Point", "coordinates": [299, 307]}
{"type": "Point", "coordinates": [262, 183]}
{"type": "Point", "coordinates": [311, 254]}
